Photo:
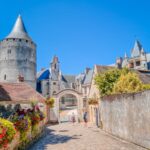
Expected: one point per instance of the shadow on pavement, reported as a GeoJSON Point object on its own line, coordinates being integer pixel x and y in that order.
{"type": "Point", "coordinates": [51, 138]}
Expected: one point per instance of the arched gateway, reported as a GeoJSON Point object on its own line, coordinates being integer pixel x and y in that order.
{"type": "Point", "coordinates": [58, 96]}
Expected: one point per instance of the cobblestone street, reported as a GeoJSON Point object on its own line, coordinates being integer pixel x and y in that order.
{"type": "Point", "coordinates": [77, 137]}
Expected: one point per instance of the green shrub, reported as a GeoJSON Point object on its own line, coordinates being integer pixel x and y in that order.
{"type": "Point", "coordinates": [105, 82]}
{"type": "Point", "coordinates": [118, 81]}
{"type": "Point", "coordinates": [146, 86]}
{"type": "Point", "coordinates": [128, 83]}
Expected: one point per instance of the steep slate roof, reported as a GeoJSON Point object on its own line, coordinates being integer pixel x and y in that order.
{"type": "Point", "coordinates": [43, 74]}
{"type": "Point", "coordinates": [80, 77]}
{"type": "Point", "coordinates": [88, 77]}
{"type": "Point", "coordinates": [19, 92]}
{"type": "Point", "coordinates": [67, 80]}
{"type": "Point", "coordinates": [102, 69]}
{"type": "Point", "coordinates": [136, 49]}
{"type": "Point", "coordinates": [145, 78]}
{"type": "Point", "coordinates": [19, 31]}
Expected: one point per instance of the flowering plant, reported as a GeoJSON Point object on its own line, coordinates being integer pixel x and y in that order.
{"type": "Point", "coordinates": [50, 102]}
{"type": "Point", "coordinates": [22, 124]}
{"type": "Point", "coordinates": [7, 132]}
{"type": "Point", "coordinates": [35, 118]}
{"type": "Point", "coordinates": [41, 114]}
{"type": "Point", "coordinates": [93, 101]}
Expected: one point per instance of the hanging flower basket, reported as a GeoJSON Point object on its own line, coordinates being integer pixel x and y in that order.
{"type": "Point", "coordinates": [93, 101]}
{"type": "Point", "coordinates": [50, 102]}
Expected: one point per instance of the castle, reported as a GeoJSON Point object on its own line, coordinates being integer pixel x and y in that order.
{"type": "Point", "coordinates": [18, 64]}
{"type": "Point", "coordinates": [18, 56]}
{"type": "Point", "coordinates": [139, 59]}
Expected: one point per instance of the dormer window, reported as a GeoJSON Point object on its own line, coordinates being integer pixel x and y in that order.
{"type": "Point", "coordinates": [138, 63]}
{"type": "Point", "coordinates": [131, 65]}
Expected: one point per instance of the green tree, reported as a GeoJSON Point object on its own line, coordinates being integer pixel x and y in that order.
{"type": "Point", "coordinates": [105, 82]}
{"type": "Point", "coordinates": [128, 83]}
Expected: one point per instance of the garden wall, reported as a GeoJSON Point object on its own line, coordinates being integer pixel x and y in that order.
{"type": "Point", "coordinates": [128, 116]}
{"type": "Point", "coordinates": [32, 137]}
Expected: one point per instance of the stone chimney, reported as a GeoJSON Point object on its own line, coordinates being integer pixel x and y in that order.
{"type": "Point", "coordinates": [20, 78]}
{"type": "Point", "coordinates": [42, 69]}
{"type": "Point", "coordinates": [87, 70]}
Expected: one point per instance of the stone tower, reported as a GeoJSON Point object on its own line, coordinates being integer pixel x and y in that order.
{"type": "Point", "coordinates": [18, 56]}
{"type": "Point", "coordinates": [55, 75]}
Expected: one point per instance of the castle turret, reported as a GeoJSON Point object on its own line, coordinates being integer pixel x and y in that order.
{"type": "Point", "coordinates": [18, 56]}
{"type": "Point", "coordinates": [125, 61]}
{"type": "Point", "coordinates": [136, 51]}
{"type": "Point", "coordinates": [119, 62]}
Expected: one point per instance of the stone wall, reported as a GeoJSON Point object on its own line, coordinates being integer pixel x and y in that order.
{"type": "Point", "coordinates": [32, 137]}
{"type": "Point", "coordinates": [18, 57]}
{"type": "Point", "coordinates": [128, 116]}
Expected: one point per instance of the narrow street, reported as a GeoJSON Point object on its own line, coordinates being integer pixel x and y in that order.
{"type": "Point", "coordinates": [67, 136]}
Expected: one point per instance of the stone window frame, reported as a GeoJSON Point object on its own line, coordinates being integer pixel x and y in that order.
{"type": "Point", "coordinates": [54, 83]}
{"type": "Point", "coordinates": [138, 63]}
{"type": "Point", "coordinates": [54, 92]}
{"type": "Point", "coordinates": [9, 51]}
{"type": "Point", "coordinates": [5, 77]}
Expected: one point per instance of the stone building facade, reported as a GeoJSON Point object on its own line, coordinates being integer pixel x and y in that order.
{"type": "Point", "coordinates": [139, 59]}
{"type": "Point", "coordinates": [50, 81]}
{"type": "Point", "coordinates": [68, 90]}
{"type": "Point", "coordinates": [18, 56]}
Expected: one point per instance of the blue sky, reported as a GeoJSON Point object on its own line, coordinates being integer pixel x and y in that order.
{"type": "Point", "coordinates": [81, 32]}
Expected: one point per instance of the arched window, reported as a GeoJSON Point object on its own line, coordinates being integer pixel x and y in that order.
{"type": "Point", "coordinates": [5, 77]}
{"type": "Point", "coordinates": [63, 100]}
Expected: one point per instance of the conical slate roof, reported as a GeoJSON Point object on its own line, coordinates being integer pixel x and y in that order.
{"type": "Point", "coordinates": [136, 51]}
{"type": "Point", "coordinates": [125, 55]}
{"type": "Point", "coordinates": [137, 46]}
{"type": "Point", "coordinates": [19, 31]}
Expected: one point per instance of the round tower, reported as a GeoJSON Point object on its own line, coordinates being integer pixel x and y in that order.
{"type": "Point", "coordinates": [18, 56]}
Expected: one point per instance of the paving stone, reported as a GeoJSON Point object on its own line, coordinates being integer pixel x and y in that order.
{"type": "Point", "coordinates": [67, 136]}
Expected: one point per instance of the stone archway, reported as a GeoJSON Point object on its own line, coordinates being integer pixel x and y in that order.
{"type": "Point", "coordinates": [64, 92]}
